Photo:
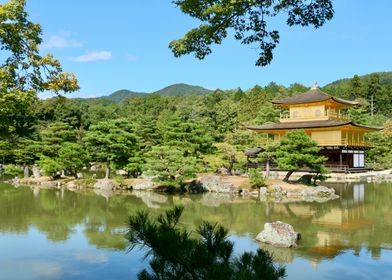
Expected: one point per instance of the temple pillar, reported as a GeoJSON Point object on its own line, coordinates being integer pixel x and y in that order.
{"type": "Point", "coordinates": [341, 158]}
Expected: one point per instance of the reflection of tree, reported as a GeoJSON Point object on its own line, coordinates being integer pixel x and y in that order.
{"type": "Point", "coordinates": [105, 238]}
{"type": "Point", "coordinates": [327, 228]}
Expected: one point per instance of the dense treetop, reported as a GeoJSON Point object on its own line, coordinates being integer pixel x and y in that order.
{"type": "Point", "coordinates": [205, 132]}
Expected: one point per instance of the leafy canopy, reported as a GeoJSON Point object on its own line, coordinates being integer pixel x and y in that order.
{"type": "Point", "coordinates": [25, 68]}
{"type": "Point", "coordinates": [248, 21]}
{"type": "Point", "coordinates": [23, 71]}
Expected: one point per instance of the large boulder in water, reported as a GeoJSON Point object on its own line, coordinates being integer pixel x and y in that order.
{"type": "Point", "coordinates": [278, 234]}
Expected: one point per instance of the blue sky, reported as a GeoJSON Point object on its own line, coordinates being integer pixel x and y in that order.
{"type": "Point", "coordinates": [123, 44]}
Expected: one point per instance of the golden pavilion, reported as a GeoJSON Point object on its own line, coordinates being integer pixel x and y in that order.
{"type": "Point", "coordinates": [323, 118]}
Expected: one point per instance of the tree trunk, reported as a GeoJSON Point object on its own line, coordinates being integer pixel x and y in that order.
{"type": "Point", "coordinates": [267, 168]}
{"type": "Point", "coordinates": [107, 175]}
{"type": "Point", "coordinates": [286, 179]}
{"type": "Point", "coordinates": [231, 163]}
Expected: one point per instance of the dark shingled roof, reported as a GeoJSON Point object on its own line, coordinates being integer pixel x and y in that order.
{"type": "Point", "coordinates": [252, 151]}
{"type": "Point", "coordinates": [309, 124]}
{"type": "Point", "coordinates": [313, 95]}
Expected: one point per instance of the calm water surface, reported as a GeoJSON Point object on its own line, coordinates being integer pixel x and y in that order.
{"type": "Point", "coordinates": [59, 234]}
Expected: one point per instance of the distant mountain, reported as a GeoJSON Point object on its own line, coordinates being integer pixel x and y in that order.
{"type": "Point", "coordinates": [121, 94]}
{"type": "Point", "coordinates": [182, 90]}
{"type": "Point", "coordinates": [173, 90]}
{"type": "Point", "coordinates": [385, 79]}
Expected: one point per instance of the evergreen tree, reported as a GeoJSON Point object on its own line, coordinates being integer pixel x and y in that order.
{"type": "Point", "coordinates": [297, 150]}
{"type": "Point", "coordinates": [27, 151]}
{"type": "Point", "coordinates": [146, 130]}
{"type": "Point", "coordinates": [268, 155]}
{"type": "Point", "coordinates": [238, 95]}
{"type": "Point", "coordinates": [373, 88]}
{"type": "Point", "coordinates": [356, 89]}
{"type": "Point", "coordinates": [111, 141]}
{"type": "Point", "coordinates": [72, 157]}
{"type": "Point", "coordinates": [192, 137]}
{"type": "Point", "coordinates": [6, 151]}
{"type": "Point", "coordinates": [135, 165]}
{"type": "Point", "coordinates": [176, 255]}
{"type": "Point", "coordinates": [267, 114]}
{"type": "Point", "coordinates": [230, 156]}
{"type": "Point", "coordinates": [54, 135]}
{"type": "Point", "coordinates": [380, 156]}
{"type": "Point", "coordinates": [169, 166]}
{"type": "Point", "coordinates": [49, 165]}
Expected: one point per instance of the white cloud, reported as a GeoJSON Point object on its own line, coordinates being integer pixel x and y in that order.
{"type": "Point", "coordinates": [131, 58]}
{"type": "Point", "coordinates": [93, 56]}
{"type": "Point", "coordinates": [60, 42]}
{"type": "Point", "coordinates": [90, 257]}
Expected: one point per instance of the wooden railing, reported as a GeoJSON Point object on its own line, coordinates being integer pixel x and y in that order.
{"type": "Point", "coordinates": [343, 142]}
{"type": "Point", "coordinates": [326, 115]}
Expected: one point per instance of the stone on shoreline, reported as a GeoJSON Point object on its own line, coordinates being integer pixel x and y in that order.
{"type": "Point", "coordinates": [194, 187]}
{"type": "Point", "coordinates": [142, 185]}
{"type": "Point", "coordinates": [104, 185]}
{"type": "Point", "coordinates": [94, 168]}
{"type": "Point", "coordinates": [214, 183]}
{"type": "Point", "coordinates": [122, 172]}
{"type": "Point", "coordinates": [36, 172]}
{"type": "Point", "coordinates": [278, 234]}
{"type": "Point", "coordinates": [71, 186]}
{"type": "Point", "coordinates": [319, 191]}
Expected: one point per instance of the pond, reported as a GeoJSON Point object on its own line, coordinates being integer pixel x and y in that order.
{"type": "Point", "coordinates": [60, 234]}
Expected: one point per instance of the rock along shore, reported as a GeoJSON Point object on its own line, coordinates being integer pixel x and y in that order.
{"type": "Point", "coordinates": [275, 190]}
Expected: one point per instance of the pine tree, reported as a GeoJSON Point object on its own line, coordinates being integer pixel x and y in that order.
{"type": "Point", "coordinates": [111, 141]}
{"type": "Point", "coordinates": [297, 150]}
{"type": "Point", "coordinates": [169, 166]}
{"type": "Point", "coordinates": [53, 135]}
{"type": "Point", "coordinates": [72, 157]}
{"type": "Point", "coordinates": [356, 90]}
{"type": "Point", "coordinates": [176, 255]}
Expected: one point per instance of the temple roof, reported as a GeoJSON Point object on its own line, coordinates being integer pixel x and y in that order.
{"type": "Point", "coordinates": [252, 151]}
{"type": "Point", "coordinates": [310, 124]}
{"type": "Point", "coordinates": [313, 95]}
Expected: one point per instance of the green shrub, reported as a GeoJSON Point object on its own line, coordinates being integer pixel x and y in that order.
{"type": "Point", "coordinates": [49, 166]}
{"type": "Point", "coordinates": [257, 180]}
{"type": "Point", "coordinates": [13, 170]}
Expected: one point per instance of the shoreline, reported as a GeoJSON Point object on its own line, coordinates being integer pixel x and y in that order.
{"type": "Point", "coordinates": [370, 176]}
{"type": "Point", "coordinates": [275, 189]}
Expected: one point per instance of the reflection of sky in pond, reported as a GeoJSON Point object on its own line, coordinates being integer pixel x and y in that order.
{"type": "Point", "coordinates": [31, 256]}
{"type": "Point", "coordinates": [58, 234]}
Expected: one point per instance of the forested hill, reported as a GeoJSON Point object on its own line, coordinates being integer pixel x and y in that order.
{"type": "Point", "coordinates": [122, 94]}
{"type": "Point", "coordinates": [385, 79]}
{"type": "Point", "coordinates": [186, 130]}
{"type": "Point", "coordinates": [172, 90]}
{"type": "Point", "coordinates": [183, 90]}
